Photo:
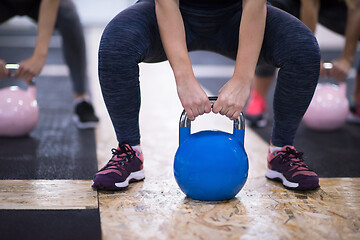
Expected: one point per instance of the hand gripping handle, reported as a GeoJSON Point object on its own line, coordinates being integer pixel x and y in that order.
{"type": "Point", "coordinates": [185, 125]}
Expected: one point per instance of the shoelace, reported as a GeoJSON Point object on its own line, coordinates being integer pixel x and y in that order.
{"type": "Point", "coordinates": [124, 155]}
{"type": "Point", "coordinates": [295, 157]}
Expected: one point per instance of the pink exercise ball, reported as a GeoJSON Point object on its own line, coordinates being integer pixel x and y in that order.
{"type": "Point", "coordinates": [328, 109]}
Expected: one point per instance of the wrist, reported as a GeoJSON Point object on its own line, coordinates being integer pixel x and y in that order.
{"type": "Point", "coordinates": [40, 54]}
{"type": "Point", "coordinates": [348, 58]}
{"type": "Point", "coordinates": [184, 75]}
{"type": "Point", "coordinates": [242, 78]}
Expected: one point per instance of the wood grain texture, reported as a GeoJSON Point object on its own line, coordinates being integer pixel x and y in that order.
{"type": "Point", "coordinates": [262, 210]}
{"type": "Point", "coordinates": [47, 194]}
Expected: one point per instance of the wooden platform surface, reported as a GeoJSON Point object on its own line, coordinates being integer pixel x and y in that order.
{"type": "Point", "coordinates": [47, 194]}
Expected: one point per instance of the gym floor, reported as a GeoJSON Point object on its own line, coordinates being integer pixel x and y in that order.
{"type": "Point", "coordinates": [45, 181]}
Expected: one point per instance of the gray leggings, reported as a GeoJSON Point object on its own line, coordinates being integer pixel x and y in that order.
{"type": "Point", "coordinates": [133, 37]}
{"type": "Point", "coordinates": [69, 26]}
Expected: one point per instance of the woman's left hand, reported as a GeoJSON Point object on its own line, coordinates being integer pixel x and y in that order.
{"type": "Point", "coordinates": [232, 98]}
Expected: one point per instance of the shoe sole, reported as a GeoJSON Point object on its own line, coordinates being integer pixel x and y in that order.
{"type": "Point", "coordinates": [276, 176]}
{"type": "Point", "coordinates": [353, 118]}
{"type": "Point", "coordinates": [279, 177]}
{"type": "Point", "coordinates": [133, 177]}
{"type": "Point", "coordinates": [81, 125]}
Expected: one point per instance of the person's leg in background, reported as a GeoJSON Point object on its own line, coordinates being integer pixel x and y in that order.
{"type": "Point", "coordinates": [289, 45]}
{"type": "Point", "coordinates": [256, 108]}
{"type": "Point", "coordinates": [74, 49]}
{"type": "Point", "coordinates": [73, 45]}
{"type": "Point", "coordinates": [5, 14]}
{"type": "Point", "coordinates": [354, 115]}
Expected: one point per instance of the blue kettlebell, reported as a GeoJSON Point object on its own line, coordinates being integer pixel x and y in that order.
{"type": "Point", "coordinates": [211, 165]}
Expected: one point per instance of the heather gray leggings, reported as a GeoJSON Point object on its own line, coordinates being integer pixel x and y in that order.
{"type": "Point", "coordinates": [69, 26]}
{"type": "Point", "coordinates": [133, 37]}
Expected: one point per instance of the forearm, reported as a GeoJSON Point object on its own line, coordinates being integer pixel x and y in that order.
{"type": "Point", "coordinates": [251, 35]}
{"type": "Point", "coordinates": [309, 12]}
{"type": "Point", "coordinates": [46, 22]}
{"type": "Point", "coordinates": [173, 38]}
{"type": "Point", "coordinates": [352, 31]}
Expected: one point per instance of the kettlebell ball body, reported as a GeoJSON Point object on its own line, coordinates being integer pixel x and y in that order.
{"type": "Point", "coordinates": [328, 109]}
{"type": "Point", "coordinates": [19, 112]}
{"type": "Point", "coordinates": [211, 165]}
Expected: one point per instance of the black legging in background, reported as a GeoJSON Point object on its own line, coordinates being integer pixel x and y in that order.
{"type": "Point", "coordinates": [69, 26]}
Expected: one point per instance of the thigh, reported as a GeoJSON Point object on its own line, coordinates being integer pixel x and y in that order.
{"type": "Point", "coordinates": [134, 32]}
{"type": "Point", "coordinates": [287, 40]}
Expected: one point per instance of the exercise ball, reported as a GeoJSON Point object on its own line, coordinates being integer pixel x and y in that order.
{"type": "Point", "coordinates": [211, 165]}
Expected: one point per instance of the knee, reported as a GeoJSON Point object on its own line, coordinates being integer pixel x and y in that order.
{"type": "Point", "coordinates": [123, 41]}
{"type": "Point", "coordinates": [304, 49]}
{"type": "Point", "coordinates": [118, 46]}
{"type": "Point", "coordinates": [119, 54]}
{"type": "Point", "coordinates": [303, 56]}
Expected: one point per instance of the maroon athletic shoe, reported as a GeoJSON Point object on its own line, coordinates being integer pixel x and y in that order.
{"type": "Point", "coordinates": [287, 165]}
{"type": "Point", "coordinates": [125, 166]}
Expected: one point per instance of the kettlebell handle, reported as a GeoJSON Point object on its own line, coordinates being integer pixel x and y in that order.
{"type": "Point", "coordinates": [12, 67]}
{"type": "Point", "coordinates": [327, 65]}
{"type": "Point", "coordinates": [239, 123]}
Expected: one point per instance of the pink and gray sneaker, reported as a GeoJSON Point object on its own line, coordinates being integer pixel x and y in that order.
{"type": "Point", "coordinates": [125, 166]}
{"type": "Point", "coordinates": [287, 165]}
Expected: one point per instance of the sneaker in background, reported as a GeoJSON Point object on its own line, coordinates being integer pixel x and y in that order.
{"type": "Point", "coordinates": [84, 116]}
{"type": "Point", "coordinates": [354, 115]}
{"type": "Point", "coordinates": [125, 166]}
{"type": "Point", "coordinates": [255, 112]}
{"type": "Point", "coordinates": [287, 165]}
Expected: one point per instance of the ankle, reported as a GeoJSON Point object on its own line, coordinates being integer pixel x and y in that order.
{"type": "Point", "coordinates": [137, 148]}
{"type": "Point", "coordinates": [274, 148]}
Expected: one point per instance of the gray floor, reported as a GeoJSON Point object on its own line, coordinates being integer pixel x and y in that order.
{"type": "Point", "coordinates": [56, 149]}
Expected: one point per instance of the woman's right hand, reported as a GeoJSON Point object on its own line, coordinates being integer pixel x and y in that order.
{"type": "Point", "coordinates": [193, 98]}
{"type": "Point", "coordinates": [340, 69]}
